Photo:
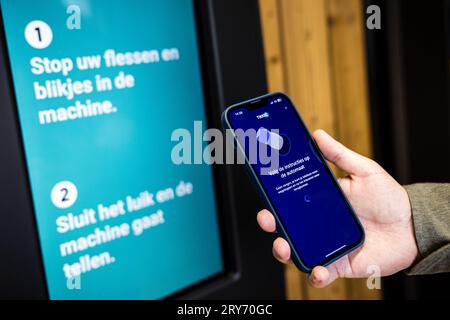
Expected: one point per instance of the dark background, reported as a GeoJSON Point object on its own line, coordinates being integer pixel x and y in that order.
{"type": "Point", "coordinates": [409, 89]}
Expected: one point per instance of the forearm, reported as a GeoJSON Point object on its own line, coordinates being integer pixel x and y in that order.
{"type": "Point", "coordinates": [430, 205]}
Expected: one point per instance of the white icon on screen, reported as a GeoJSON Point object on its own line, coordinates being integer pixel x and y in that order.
{"type": "Point", "coordinates": [270, 138]}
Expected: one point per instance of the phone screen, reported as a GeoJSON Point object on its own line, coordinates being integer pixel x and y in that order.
{"type": "Point", "coordinates": [310, 205]}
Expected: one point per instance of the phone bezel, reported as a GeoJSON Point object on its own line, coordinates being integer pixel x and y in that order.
{"type": "Point", "coordinates": [259, 102]}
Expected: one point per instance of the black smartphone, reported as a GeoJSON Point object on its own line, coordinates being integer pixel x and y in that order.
{"type": "Point", "coordinates": [294, 180]}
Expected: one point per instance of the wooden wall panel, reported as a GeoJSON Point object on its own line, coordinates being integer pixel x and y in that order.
{"type": "Point", "coordinates": [307, 66]}
{"type": "Point", "coordinates": [351, 93]}
{"type": "Point", "coordinates": [349, 72]}
{"type": "Point", "coordinates": [272, 44]}
{"type": "Point", "coordinates": [315, 53]}
{"type": "Point", "coordinates": [309, 83]}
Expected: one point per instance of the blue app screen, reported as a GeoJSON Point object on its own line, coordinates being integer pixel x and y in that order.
{"type": "Point", "coordinates": [100, 86]}
{"type": "Point", "coordinates": [301, 189]}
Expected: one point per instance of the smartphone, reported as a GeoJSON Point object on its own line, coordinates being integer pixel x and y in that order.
{"type": "Point", "coordinates": [297, 185]}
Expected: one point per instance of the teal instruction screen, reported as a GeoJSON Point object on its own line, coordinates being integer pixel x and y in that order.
{"type": "Point", "coordinates": [100, 87]}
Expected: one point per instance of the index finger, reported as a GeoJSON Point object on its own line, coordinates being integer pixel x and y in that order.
{"type": "Point", "coordinates": [266, 221]}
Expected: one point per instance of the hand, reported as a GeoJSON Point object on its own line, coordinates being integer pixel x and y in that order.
{"type": "Point", "coordinates": [383, 208]}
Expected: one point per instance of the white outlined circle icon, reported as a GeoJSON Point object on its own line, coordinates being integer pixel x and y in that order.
{"type": "Point", "coordinates": [38, 34]}
{"type": "Point", "coordinates": [64, 194]}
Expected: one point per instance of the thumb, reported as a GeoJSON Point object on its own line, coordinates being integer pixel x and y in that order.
{"type": "Point", "coordinates": [321, 277]}
{"type": "Point", "coordinates": [344, 158]}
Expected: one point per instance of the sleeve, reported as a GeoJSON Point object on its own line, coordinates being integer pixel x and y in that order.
{"type": "Point", "coordinates": [430, 204]}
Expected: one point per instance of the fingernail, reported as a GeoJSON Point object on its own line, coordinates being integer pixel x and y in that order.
{"type": "Point", "coordinates": [314, 279]}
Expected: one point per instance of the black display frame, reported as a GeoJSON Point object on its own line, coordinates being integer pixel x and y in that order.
{"type": "Point", "coordinates": [26, 270]}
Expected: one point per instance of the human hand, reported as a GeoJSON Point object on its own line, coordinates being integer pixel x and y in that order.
{"type": "Point", "coordinates": [383, 208]}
